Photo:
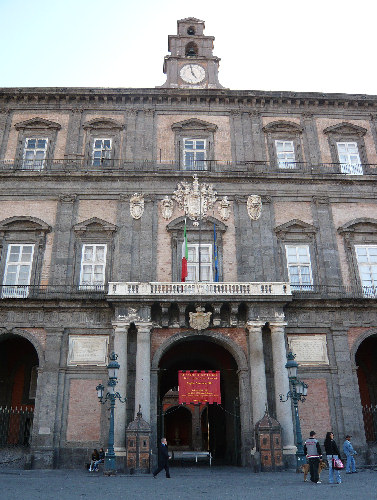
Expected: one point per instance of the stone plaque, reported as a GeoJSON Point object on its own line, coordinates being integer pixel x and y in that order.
{"type": "Point", "coordinates": [88, 350]}
{"type": "Point", "coordinates": [309, 349]}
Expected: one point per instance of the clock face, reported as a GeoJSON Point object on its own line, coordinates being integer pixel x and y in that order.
{"type": "Point", "coordinates": [192, 73]}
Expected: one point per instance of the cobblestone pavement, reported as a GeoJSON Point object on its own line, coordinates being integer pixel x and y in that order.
{"type": "Point", "coordinates": [186, 483]}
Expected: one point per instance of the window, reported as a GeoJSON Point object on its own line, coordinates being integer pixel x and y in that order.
{"type": "Point", "coordinates": [101, 152]}
{"type": "Point", "coordinates": [93, 264]}
{"type": "Point", "coordinates": [34, 153]}
{"type": "Point", "coordinates": [284, 144]}
{"type": "Point", "coordinates": [299, 267]}
{"type": "Point", "coordinates": [349, 158]}
{"type": "Point", "coordinates": [205, 259]}
{"type": "Point", "coordinates": [18, 271]}
{"type": "Point", "coordinates": [194, 154]}
{"type": "Point", "coordinates": [285, 153]}
{"type": "Point", "coordinates": [367, 263]}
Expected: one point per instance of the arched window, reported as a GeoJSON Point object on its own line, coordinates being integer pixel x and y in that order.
{"type": "Point", "coordinates": [191, 49]}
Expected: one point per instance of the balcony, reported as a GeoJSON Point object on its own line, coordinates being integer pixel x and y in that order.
{"type": "Point", "coordinates": [119, 166]}
{"type": "Point", "coordinates": [193, 291]}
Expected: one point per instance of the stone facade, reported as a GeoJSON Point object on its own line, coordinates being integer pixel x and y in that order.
{"type": "Point", "coordinates": [68, 202]}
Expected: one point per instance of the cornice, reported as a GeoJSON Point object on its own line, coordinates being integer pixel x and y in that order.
{"type": "Point", "coordinates": [74, 97]}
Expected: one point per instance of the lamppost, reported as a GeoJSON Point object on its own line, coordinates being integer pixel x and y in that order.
{"type": "Point", "coordinates": [298, 392]}
{"type": "Point", "coordinates": [111, 396]}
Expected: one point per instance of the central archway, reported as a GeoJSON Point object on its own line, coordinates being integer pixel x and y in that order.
{"type": "Point", "coordinates": [215, 428]}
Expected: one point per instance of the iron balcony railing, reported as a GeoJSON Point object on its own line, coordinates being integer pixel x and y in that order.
{"type": "Point", "coordinates": [81, 165]}
{"type": "Point", "coordinates": [46, 292]}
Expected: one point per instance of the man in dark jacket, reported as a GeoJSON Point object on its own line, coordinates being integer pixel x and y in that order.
{"type": "Point", "coordinates": [313, 454]}
{"type": "Point", "coordinates": [163, 459]}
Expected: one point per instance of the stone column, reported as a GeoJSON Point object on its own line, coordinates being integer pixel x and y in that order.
{"type": "Point", "coordinates": [120, 348]}
{"type": "Point", "coordinates": [281, 383]}
{"type": "Point", "coordinates": [143, 370]}
{"type": "Point", "coordinates": [257, 370]}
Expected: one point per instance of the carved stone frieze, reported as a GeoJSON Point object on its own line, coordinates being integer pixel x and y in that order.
{"type": "Point", "coordinates": [200, 320]}
{"type": "Point", "coordinates": [195, 200]}
{"type": "Point", "coordinates": [254, 206]}
{"type": "Point", "coordinates": [137, 205]}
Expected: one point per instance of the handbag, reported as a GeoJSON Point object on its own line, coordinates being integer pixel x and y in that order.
{"type": "Point", "coordinates": [337, 464]}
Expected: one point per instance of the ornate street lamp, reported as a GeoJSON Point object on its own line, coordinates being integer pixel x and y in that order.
{"type": "Point", "coordinates": [112, 396]}
{"type": "Point", "coordinates": [298, 392]}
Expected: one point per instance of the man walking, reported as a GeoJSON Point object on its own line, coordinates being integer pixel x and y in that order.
{"type": "Point", "coordinates": [349, 451]}
{"type": "Point", "coordinates": [313, 454]}
{"type": "Point", "coordinates": [163, 459]}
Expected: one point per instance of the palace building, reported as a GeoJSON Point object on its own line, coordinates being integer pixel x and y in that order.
{"type": "Point", "coordinates": [276, 193]}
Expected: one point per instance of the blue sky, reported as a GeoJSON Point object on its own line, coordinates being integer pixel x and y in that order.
{"type": "Point", "coordinates": [322, 46]}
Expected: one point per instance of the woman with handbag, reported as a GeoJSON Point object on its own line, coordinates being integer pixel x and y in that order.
{"type": "Point", "coordinates": [333, 458]}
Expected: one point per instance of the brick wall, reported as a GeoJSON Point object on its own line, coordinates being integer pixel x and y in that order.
{"type": "Point", "coordinates": [103, 209]}
{"type": "Point", "coordinates": [315, 411]}
{"type": "Point", "coordinates": [287, 211]}
{"type": "Point", "coordinates": [84, 411]}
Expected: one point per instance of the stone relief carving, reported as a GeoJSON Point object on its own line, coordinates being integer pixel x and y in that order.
{"type": "Point", "coordinates": [167, 208]}
{"type": "Point", "coordinates": [224, 208]}
{"type": "Point", "coordinates": [131, 317]}
{"type": "Point", "coordinates": [199, 320]}
{"type": "Point", "coordinates": [195, 200]}
{"type": "Point", "coordinates": [254, 206]}
{"type": "Point", "coordinates": [137, 205]}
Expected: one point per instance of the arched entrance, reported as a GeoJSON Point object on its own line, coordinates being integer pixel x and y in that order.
{"type": "Point", "coordinates": [366, 361]}
{"type": "Point", "coordinates": [18, 383]}
{"type": "Point", "coordinates": [212, 427]}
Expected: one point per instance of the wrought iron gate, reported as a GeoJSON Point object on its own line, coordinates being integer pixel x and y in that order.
{"type": "Point", "coordinates": [370, 422]}
{"type": "Point", "coordinates": [15, 425]}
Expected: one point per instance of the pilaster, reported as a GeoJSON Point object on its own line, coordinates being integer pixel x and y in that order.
{"type": "Point", "coordinates": [120, 348]}
{"type": "Point", "coordinates": [257, 370]}
{"type": "Point", "coordinates": [143, 370]}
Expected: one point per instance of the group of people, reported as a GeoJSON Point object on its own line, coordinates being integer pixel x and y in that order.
{"type": "Point", "coordinates": [312, 450]}
{"type": "Point", "coordinates": [98, 457]}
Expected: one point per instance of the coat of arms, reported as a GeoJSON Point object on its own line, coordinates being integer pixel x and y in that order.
{"type": "Point", "coordinates": [224, 208]}
{"type": "Point", "coordinates": [199, 320]}
{"type": "Point", "coordinates": [195, 200]}
{"type": "Point", "coordinates": [167, 208]}
{"type": "Point", "coordinates": [137, 205]}
{"type": "Point", "coordinates": [254, 206]}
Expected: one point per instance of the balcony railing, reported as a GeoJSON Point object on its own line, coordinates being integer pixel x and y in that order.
{"type": "Point", "coordinates": [46, 292]}
{"type": "Point", "coordinates": [188, 290]}
{"type": "Point", "coordinates": [158, 289]}
{"type": "Point", "coordinates": [81, 165]}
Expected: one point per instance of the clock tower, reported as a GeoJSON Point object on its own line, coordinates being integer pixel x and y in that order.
{"type": "Point", "coordinates": [191, 63]}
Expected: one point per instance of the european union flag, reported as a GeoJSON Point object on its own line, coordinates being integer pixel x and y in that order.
{"type": "Point", "coordinates": [215, 254]}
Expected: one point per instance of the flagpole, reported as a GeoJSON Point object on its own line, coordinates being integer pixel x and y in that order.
{"type": "Point", "coordinates": [200, 230]}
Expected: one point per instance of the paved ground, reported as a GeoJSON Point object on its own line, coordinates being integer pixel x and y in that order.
{"type": "Point", "coordinates": [186, 483]}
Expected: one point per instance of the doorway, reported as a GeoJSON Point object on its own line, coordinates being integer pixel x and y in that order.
{"type": "Point", "coordinates": [215, 428]}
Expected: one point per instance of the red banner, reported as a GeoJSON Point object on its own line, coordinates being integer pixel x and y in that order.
{"type": "Point", "coordinates": [199, 387]}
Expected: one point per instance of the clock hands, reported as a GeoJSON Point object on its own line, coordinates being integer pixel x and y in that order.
{"type": "Point", "coordinates": [193, 74]}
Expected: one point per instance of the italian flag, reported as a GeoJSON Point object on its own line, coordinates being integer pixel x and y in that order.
{"type": "Point", "coordinates": [184, 256]}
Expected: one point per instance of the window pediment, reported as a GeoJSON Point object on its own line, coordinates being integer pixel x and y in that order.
{"type": "Point", "coordinates": [345, 129]}
{"type": "Point", "coordinates": [178, 225]}
{"type": "Point", "coordinates": [24, 223]}
{"type": "Point", "coordinates": [37, 124]}
{"type": "Point", "coordinates": [363, 225]}
{"type": "Point", "coordinates": [282, 126]}
{"type": "Point", "coordinates": [294, 229]}
{"type": "Point", "coordinates": [103, 124]}
{"type": "Point", "coordinates": [193, 124]}
{"type": "Point", "coordinates": [94, 226]}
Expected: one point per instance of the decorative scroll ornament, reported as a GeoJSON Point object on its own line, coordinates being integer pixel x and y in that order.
{"type": "Point", "coordinates": [254, 206]}
{"type": "Point", "coordinates": [224, 208]}
{"type": "Point", "coordinates": [195, 200]}
{"type": "Point", "coordinates": [199, 320]}
{"type": "Point", "coordinates": [167, 208]}
{"type": "Point", "coordinates": [137, 205]}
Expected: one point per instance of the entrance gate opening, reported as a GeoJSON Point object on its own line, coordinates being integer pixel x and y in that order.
{"type": "Point", "coordinates": [366, 356]}
{"type": "Point", "coordinates": [200, 427]}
